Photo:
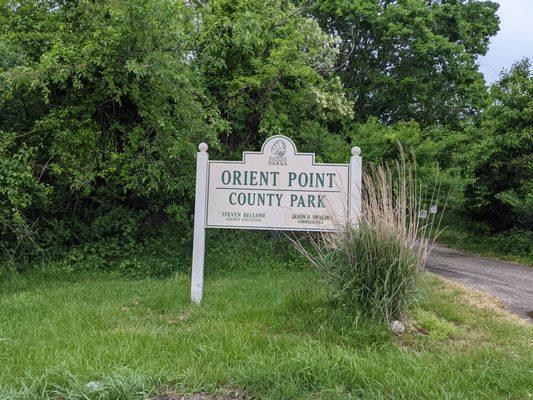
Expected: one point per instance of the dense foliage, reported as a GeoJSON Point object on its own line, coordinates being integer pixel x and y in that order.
{"type": "Point", "coordinates": [374, 266]}
{"type": "Point", "coordinates": [500, 156]}
{"type": "Point", "coordinates": [269, 70]}
{"type": "Point", "coordinates": [404, 60]}
{"type": "Point", "coordinates": [102, 105]}
{"type": "Point", "coordinates": [104, 108]}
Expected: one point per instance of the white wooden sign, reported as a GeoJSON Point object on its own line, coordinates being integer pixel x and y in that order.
{"type": "Point", "coordinates": [276, 188]}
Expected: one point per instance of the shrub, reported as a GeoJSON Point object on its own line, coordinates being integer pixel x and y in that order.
{"type": "Point", "coordinates": [499, 158]}
{"type": "Point", "coordinates": [374, 264]}
{"type": "Point", "coordinates": [103, 106]}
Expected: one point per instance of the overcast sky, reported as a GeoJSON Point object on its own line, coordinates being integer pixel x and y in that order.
{"type": "Point", "coordinates": [514, 40]}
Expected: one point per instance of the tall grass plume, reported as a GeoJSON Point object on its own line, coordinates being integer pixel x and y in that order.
{"type": "Point", "coordinates": [374, 264]}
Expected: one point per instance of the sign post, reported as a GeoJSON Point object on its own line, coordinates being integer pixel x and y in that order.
{"type": "Point", "coordinates": [356, 172]}
{"type": "Point", "coordinates": [198, 247]}
{"type": "Point", "coordinates": [276, 188]}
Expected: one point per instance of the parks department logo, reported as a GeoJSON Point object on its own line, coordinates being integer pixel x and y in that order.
{"type": "Point", "coordinates": [278, 150]}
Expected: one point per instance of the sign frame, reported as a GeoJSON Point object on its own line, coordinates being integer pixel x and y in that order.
{"type": "Point", "coordinates": [201, 217]}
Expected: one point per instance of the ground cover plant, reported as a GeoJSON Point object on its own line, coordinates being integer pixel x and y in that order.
{"type": "Point", "coordinates": [267, 329]}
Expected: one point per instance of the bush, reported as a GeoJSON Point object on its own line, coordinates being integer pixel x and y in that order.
{"type": "Point", "coordinates": [103, 106]}
{"type": "Point", "coordinates": [499, 158]}
{"type": "Point", "coordinates": [374, 265]}
{"type": "Point", "coordinates": [513, 245]}
{"type": "Point", "coordinates": [437, 150]}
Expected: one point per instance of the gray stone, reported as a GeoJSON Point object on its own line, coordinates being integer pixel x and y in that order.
{"type": "Point", "coordinates": [397, 327]}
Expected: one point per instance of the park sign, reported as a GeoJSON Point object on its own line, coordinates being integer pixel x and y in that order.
{"type": "Point", "coordinates": [276, 188]}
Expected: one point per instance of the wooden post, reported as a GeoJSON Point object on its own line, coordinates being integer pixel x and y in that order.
{"type": "Point", "coordinates": [356, 180]}
{"type": "Point", "coordinates": [198, 247]}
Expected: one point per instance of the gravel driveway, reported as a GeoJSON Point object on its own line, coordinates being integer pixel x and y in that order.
{"type": "Point", "coordinates": [512, 283]}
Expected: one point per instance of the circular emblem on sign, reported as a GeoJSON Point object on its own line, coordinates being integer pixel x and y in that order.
{"type": "Point", "coordinates": [279, 148]}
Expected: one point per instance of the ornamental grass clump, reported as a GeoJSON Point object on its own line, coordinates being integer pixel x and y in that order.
{"type": "Point", "coordinates": [374, 264]}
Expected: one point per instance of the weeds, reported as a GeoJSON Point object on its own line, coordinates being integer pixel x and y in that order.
{"type": "Point", "coordinates": [374, 264]}
{"type": "Point", "coordinates": [125, 385]}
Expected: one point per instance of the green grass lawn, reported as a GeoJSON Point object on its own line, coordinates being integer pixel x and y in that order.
{"type": "Point", "coordinates": [270, 333]}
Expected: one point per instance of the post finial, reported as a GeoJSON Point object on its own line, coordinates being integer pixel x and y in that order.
{"type": "Point", "coordinates": [356, 151]}
{"type": "Point", "coordinates": [202, 147]}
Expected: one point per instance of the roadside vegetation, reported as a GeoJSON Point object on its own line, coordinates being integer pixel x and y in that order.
{"type": "Point", "coordinates": [102, 107]}
{"type": "Point", "coordinates": [269, 328]}
{"type": "Point", "coordinates": [374, 265]}
{"type": "Point", "coordinates": [513, 245]}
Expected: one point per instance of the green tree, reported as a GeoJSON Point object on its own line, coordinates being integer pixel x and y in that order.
{"type": "Point", "coordinates": [500, 157]}
{"type": "Point", "coordinates": [270, 71]}
{"type": "Point", "coordinates": [410, 59]}
{"type": "Point", "coordinates": [435, 150]}
{"type": "Point", "coordinates": [105, 98]}
{"type": "Point", "coordinates": [103, 105]}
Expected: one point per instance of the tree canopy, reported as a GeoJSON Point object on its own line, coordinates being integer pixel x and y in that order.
{"type": "Point", "coordinates": [410, 59]}
{"type": "Point", "coordinates": [102, 104]}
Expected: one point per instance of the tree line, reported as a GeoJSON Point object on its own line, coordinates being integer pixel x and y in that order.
{"type": "Point", "coordinates": [102, 105]}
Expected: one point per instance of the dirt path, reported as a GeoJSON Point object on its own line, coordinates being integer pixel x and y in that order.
{"type": "Point", "coordinates": [512, 283]}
